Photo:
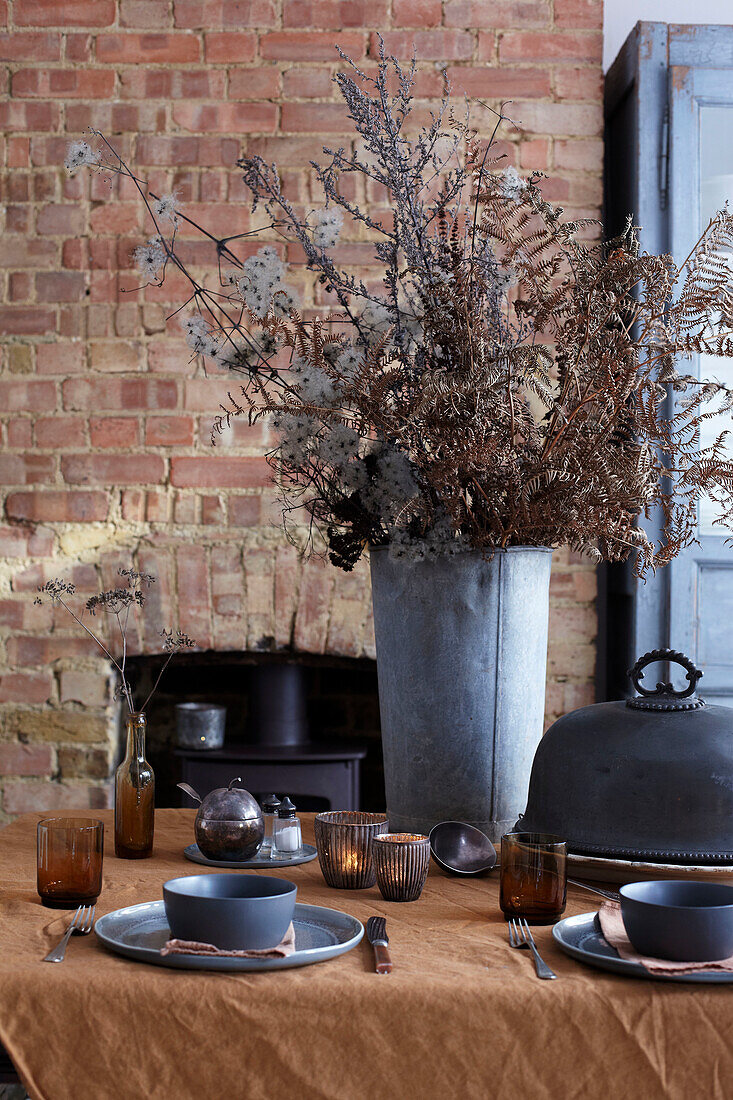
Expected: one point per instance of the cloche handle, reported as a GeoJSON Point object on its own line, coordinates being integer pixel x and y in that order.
{"type": "Point", "coordinates": [693, 674]}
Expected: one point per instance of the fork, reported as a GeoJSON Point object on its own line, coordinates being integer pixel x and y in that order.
{"type": "Point", "coordinates": [81, 925]}
{"type": "Point", "coordinates": [521, 936]}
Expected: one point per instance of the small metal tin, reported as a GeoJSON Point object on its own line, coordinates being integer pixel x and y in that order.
{"type": "Point", "coordinates": [200, 725]}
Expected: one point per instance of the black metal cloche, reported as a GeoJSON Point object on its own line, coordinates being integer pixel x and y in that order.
{"type": "Point", "coordinates": [648, 778]}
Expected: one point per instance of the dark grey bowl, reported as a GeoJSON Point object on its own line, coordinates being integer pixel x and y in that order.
{"type": "Point", "coordinates": [461, 849]}
{"type": "Point", "coordinates": [678, 920]}
{"type": "Point", "coordinates": [234, 912]}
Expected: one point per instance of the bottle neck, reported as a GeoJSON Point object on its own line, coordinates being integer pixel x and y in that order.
{"type": "Point", "coordinates": [136, 726]}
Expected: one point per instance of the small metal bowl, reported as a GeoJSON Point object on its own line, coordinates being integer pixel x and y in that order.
{"type": "Point", "coordinates": [461, 849]}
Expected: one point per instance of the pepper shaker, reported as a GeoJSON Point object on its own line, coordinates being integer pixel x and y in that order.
{"type": "Point", "coordinates": [270, 804]}
{"type": "Point", "coordinates": [287, 837]}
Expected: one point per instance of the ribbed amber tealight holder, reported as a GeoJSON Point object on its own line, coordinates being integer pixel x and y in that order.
{"type": "Point", "coordinates": [344, 843]}
{"type": "Point", "coordinates": [401, 861]}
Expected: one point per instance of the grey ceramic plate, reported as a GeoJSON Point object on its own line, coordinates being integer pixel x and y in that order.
{"type": "Point", "coordinates": [306, 854]}
{"type": "Point", "coordinates": [139, 932]}
{"type": "Point", "coordinates": [582, 938]}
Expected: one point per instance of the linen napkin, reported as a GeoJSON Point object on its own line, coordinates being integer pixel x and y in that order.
{"type": "Point", "coordinates": [190, 947]}
{"type": "Point", "coordinates": [612, 926]}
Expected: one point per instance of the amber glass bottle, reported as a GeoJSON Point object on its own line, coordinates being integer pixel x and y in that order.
{"type": "Point", "coordinates": [134, 796]}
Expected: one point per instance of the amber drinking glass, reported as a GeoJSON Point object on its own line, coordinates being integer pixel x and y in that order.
{"type": "Point", "coordinates": [69, 861]}
{"type": "Point", "coordinates": [134, 796]}
{"type": "Point", "coordinates": [533, 876]}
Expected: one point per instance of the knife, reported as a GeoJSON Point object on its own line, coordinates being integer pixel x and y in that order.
{"type": "Point", "coordinates": [376, 931]}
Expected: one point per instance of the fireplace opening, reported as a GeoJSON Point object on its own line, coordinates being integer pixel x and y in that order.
{"type": "Point", "coordinates": [304, 725]}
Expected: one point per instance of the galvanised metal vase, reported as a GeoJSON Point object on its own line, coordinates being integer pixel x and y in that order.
{"type": "Point", "coordinates": [461, 659]}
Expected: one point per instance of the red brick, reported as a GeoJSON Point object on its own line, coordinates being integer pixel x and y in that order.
{"type": "Point", "coordinates": [579, 13]}
{"type": "Point", "coordinates": [19, 759]}
{"type": "Point", "coordinates": [435, 45]}
{"type": "Point", "coordinates": [30, 46]}
{"type": "Point", "coordinates": [27, 115]}
{"type": "Point", "coordinates": [174, 151]}
{"type": "Point", "coordinates": [194, 611]}
{"type": "Point", "coordinates": [119, 393]}
{"type": "Point", "coordinates": [112, 470]}
{"type": "Point", "coordinates": [229, 47]}
{"type": "Point", "coordinates": [245, 511]}
{"type": "Point", "coordinates": [64, 13]}
{"type": "Point", "coordinates": [58, 358]}
{"type": "Point", "coordinates": [541, 46]}
{"type": "Point", "coordinates": [21, 395]}
{"type": "Point", "coordinates": [26, 796]}
{"type": "Point", "coordinates": [132, 49]}
{"type": "Point", "coordinates": [59, 432]}
{"type": "Point", "coordinates": [26, 687]}
{"type": "Point", "coordinates": [26, 470]}
{"type": "Point", "coordinates": [60, 286]}
{"type": "Point", "coordinates": [173, 84]}
{"type": "Point", "coordinates": [339, 13]}
{"type": "Point", "coordinates": [255, 83]}
{"type": "Point", "coordinates": [314, 117]}
{"type": "Point", "coordinates": [116, 355]}
{"type": "Point", "coordinates": [145, 14]}
{"type": "Point", "coordinates": [297, 83]}
{"type": "Point", "coordinates": [26, 253]}
{"type": "Point", "coordinates": [203, 14]}
{"type": "Point", "coordinates": [226, 118]}
{"type": "Point", "coordinates": [534, 153]}
{"type": "Point", "coordinates": [20, 433]}
{"type": "Point", "coordinates": [64, 83]}
{"type": "Point", "coordinates": [114, 431]}
{"type": "Point", "coordinates": [499, 83]}
{"type": "Point", "coordinates": [60, 219]}
{"type": "Point", "coordinates": [497, 13]}
{"type": "Point", "coordinates": [219, 473]}
{"type": "Point", "coordinates": [26, 320]}
{"type": "Point", "coordinates": [416, 13]}
{"type": "Point", "coordinates": [169, 431]}
{"type": "Point", "coordinates": [58, 506]}
{"type": "Point", "coordinates": [579, 154]}
{"type": "Point", "coordinates": [573, 83]}
{"type": "Point", "coordinates": [315, 45]}
{"type": "Point", "coordinates": [562, 119]}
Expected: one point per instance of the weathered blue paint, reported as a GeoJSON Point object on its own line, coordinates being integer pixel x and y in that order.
{"type": "Point", "coordinates": [661, 74]}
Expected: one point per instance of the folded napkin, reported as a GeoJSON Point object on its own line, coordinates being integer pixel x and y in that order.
{"type": "Point", "coordinates": [612, 926]}
{"type": "Point", "coordinates": [190, 947]}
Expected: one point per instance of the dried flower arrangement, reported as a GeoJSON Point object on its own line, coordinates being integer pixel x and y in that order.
{"type": "Point", "coordinates": [509, 383]}
{"type": "Point", "coordinates": [118, 603]}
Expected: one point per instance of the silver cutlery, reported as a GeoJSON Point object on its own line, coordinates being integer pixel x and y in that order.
{"type": "Point", "coordinates": [611, 895]}
{"type": "Point", "coordinates": [81, 925]}
{"type": "Point", "coordinates": [376, 931]}
{"type": "Point", "coordinates": [521, 936]}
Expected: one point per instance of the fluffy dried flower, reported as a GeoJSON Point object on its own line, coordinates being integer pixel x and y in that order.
{"type": "Point", "coordinates": [79, 154]}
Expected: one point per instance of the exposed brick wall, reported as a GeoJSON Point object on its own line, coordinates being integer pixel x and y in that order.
{"type": "Point", "coordinates": [104, 421]}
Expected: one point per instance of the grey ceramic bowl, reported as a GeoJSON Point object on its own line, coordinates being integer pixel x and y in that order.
{"type": "Point", "coordinates": [461, 849]}
{"type": "Point", "coordinates": [234, 912]}
{"type": "Point", "coordinates": [678, 920]}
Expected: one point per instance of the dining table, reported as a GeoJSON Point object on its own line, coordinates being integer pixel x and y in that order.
{"type": "Point", "coordinates": [461, 1014]}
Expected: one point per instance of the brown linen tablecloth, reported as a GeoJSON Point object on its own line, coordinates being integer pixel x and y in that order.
{"type": "Point", "coordinates": [462, 1015]}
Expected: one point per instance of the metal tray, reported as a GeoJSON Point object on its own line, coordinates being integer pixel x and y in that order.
{"type": "Point", "coordinates": [139, 932]}
{"type": "Point", "coordinates": [306, 854]}
{"type": "Point", "coordinates": [603, 869]}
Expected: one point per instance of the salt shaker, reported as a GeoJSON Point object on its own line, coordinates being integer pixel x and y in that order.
{"type": "Point", "coordinates": [270, 805]}
{"type": "Point", "coordinates": [287, 837]}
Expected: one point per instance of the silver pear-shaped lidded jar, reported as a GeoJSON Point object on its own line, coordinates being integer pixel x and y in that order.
{"type": "Point", "coordinates": [229, 824]}
{"type": "Point", "coordinates": [648, 778]}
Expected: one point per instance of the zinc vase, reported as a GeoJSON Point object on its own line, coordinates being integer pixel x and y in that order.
{"type": "Point", "coordinates": [461, 660]}
{"type": "Point", "coordinates": [134, 796]}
